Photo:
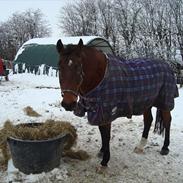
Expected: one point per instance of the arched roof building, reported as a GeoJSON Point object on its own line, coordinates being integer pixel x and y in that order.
{"type": "Point", "coordinates": [39, 51]}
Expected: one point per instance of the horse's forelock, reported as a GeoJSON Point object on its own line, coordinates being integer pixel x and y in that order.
{"type": "Point", "coordinates": [69, 49]}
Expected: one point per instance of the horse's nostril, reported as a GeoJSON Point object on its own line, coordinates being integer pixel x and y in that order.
{"type": "Point", "coordinates": [68, 107]}
{"type": "Point", "coordinates": [64, 105]}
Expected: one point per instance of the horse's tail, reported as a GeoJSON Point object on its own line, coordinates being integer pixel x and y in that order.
{"type": "Point", "coordinates": [159, 127]}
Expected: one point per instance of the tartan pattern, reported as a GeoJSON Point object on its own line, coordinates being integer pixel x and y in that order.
{"type": "Point", "coordinates": [128, 88]}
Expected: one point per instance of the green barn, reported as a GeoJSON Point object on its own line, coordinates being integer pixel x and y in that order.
{"type": "Point", "coordinates": [40, 53]}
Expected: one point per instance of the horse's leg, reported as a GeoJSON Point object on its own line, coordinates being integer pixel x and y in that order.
{"type": "Point", "coordinates": [105, 131]}
{"type": "Point", "coordinates": [167, 123]}
{"type": "Point", "coordinates": [148, 118]}
{"type": "Point", "coordinates": [100, 153]}
{"type": "Point", "coordinates": [103, 139]}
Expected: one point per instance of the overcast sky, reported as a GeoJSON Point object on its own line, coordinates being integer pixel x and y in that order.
{"type": "Point", "coordinates": [50, 8]}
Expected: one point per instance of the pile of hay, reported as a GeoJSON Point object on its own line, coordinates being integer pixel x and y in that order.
{"type": "Point", "coordinates": [41, 131]}
{"type": "Point", "coordinates": [29, 111]}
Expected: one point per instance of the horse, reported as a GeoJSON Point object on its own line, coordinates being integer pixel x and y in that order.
{"type": "Point", "coordinates": [107, 87]}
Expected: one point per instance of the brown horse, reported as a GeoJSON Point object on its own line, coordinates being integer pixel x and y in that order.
{"type": "Point", "coordinates": [136, 86]}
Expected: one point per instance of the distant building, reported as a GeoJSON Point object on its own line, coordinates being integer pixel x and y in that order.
{"type": "Point", "coordinates": [39, 55]}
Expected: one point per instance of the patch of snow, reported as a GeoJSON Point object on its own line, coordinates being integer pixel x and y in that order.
{"type": "Point", "coordinates": [43, 94]}
{"type": "Point", "coordinates": [20, 51]}
{"type": "Point", "coordinates": [178, 57]}
{"type": "Point", "coordinates": [65, 40]}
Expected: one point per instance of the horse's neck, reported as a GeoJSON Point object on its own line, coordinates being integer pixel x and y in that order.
{"type": "Point", "coordinates": [94, 69]}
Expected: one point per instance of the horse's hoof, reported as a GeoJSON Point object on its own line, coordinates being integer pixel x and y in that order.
{"type": "Point", "coordinates": [138, 150]}
{"type": "Point", "coordinates": [101, 169]}
{"type": "Point", "coordinates": [164, 151]}
{"type": "Point", "coordinates": [100, 154]}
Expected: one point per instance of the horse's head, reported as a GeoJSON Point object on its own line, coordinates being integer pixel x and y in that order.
{"type": "Point", "coordinates": [70, 73]}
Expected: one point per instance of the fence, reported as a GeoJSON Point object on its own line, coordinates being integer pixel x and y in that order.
{"type": "Point", "coordinates": [36, 69]}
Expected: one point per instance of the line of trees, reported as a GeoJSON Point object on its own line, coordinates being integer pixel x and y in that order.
{"type": "Point", "coordinates": [150, 28]}
{"type": "Point", "coordinates": [19, 28]}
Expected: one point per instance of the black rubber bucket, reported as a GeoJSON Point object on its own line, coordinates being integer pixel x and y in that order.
{"type": "Point", "coordinates": [36, 156]}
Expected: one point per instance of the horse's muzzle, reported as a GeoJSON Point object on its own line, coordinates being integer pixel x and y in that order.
{"type": "Point", "coordinates": [68, 107]}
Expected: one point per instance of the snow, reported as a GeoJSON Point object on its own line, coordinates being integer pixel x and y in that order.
{"type": "Point", "coordinates": [125, 166]}
{"type": "Point", "coordinates": [65, 40]}
{"type": "Point", "coordinates": [178, 57]}
{"type": "Point", "coordinates": [19, 52]}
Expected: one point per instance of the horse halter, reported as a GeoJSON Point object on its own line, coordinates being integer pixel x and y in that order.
{"type": "Point", "coordinates": [76, 93]}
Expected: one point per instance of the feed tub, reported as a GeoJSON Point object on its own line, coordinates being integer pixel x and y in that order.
{"type": "Point", "coordinates": [36, 156]}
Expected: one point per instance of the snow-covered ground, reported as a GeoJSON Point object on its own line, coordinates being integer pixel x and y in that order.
{"type": "Point", "coordinates": [125, 166]}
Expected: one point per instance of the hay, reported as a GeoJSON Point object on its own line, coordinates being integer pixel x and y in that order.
{"type": "Point", "coordinates": [4, 133]}
{"type": "Point", "coordinates": [30, 112]}
{"type": "Point", "coordinates": [80, 154]}
{"type": "Point", "coordinates": [41, 131]}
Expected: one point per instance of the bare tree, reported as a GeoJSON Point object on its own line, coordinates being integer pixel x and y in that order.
{"type": "Point", "coordinates": [19, 28]}
{"type": "Point", "coordinates": [79, 18]}
{"type": "Point", "coordinates": [8, 44]}
{"type": "Point", "coordinates": [177, 13]}
{"type": "Point", "coordinates": [36, 26]}
{"type": "Point", "coordinates": [155, 37]}
{"type": "Point", "coordinates": [107, 22]}
{"type": "Point", "coordinates": [151, 28]}
{"type": "Point", "coordinates": [29, 24]}
{"type": "Point", "coordinates": [127, 16]}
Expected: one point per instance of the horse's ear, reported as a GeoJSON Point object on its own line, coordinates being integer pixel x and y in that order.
{"type": "Point", "coordinates": [80, 44]}
{"type": "Point", "coordinates": [60, 46]}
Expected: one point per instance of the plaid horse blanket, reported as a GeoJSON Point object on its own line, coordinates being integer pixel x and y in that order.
{"type": "Point", "coordinates": [128, 88]}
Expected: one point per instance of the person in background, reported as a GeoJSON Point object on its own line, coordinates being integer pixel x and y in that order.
{"type": "Point", "coordinates": [3, 70]}
{"type": "Point", "coordinates": [1, 67]}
